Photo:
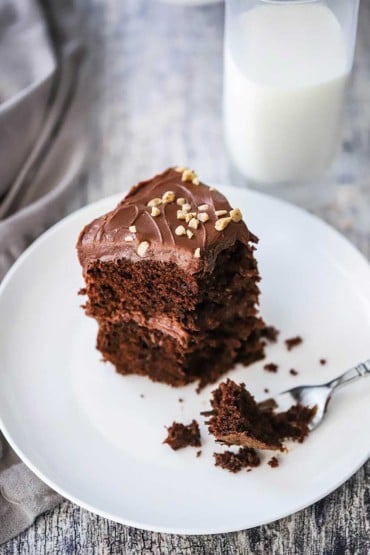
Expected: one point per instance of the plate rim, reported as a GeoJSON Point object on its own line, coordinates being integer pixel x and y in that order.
{"type": "Point", "coordinates": [117, 518]}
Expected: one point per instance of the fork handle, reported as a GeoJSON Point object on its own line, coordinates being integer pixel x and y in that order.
{"type": "Point", "coordinates": [360, 371]}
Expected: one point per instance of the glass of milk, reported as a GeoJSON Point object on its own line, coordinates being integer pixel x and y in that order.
{"type": "Point", "coordinates": [286, 69]}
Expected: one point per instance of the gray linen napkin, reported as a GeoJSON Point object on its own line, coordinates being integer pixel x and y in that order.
{"type": "Point", "coordinates": [43, 143]}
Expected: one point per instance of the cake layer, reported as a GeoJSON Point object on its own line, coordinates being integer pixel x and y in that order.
{"type": "Point", "coordinates": [157, 288]}
{"type": "Point", "coordinates": [135, 349]}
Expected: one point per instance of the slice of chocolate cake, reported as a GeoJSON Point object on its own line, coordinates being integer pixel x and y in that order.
{"type": "Point", "coordinates": [236, 419]}
{"type": "Point", "coordinates": [172, 281]}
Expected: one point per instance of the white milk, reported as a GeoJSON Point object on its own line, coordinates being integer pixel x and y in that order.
{"type": "Point", "coordinates": [285, 78]}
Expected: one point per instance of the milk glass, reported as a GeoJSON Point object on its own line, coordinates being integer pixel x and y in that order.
{"type": "Point", "coordinates": [286, 70]}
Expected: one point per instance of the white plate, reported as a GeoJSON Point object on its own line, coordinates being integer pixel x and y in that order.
{"type": "Point", "coordinates": [87, 432]}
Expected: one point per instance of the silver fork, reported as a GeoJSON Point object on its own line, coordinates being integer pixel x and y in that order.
{"type": "Point", "coordinates": [319, 395]}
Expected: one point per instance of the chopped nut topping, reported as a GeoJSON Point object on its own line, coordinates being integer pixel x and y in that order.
{"type": "Point", "coordinates": [190, 175]}
{"type": "Point", "coordinates": [155, 211]}
{"type": "Point", "coordinates": [180, 230]}
{"type": "Point", "coordinates": [132, 228]}
{"type": "Point", "coordinates": [236, 215]}
{"type": "Point", "coordinates": [129, 238]}
{"type": "Point", "coordinates": [181, 215]}
{"type": "Point", "coordinates": [203, 207]}
{"type": "Point", "coordinates": [212, 189]}
{"type": "Point", "coordinates": [194, 223]}
{"type": "Point", "coordinates": [169, 196]}
{"type": "Point", "coordinates": [221, 213]}
{"type": "Point", "coordinates": [186, 207]}
{"type": "Point", "coordinates": [197, 253]}
{"type": "Point", "coordinates": [222, 223]}
{"type": "Point", "coordinates": [189, 233]}
{"type": "Point", "coordinates": [189, 216]}
{"type": "Point", "coordinates": [154, 202]}
{"type": "Point", "coordinates": [203, 217]}
{"type": "Point", "coordinates": [180, 201]}
{"type": "Point", "coordinates": [142, 248]}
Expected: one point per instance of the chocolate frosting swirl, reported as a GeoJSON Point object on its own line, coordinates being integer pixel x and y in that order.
{"type": "Point", "coordinates": [106, 237]}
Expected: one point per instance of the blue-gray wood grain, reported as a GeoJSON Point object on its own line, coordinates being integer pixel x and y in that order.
{"type": "Point", "coordinates": [156, 101]}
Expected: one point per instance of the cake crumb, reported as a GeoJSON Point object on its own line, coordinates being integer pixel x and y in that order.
{"type": "Point", "coordinates": [235, 462]}
{"type": "Point", "coordinates": [199, 453]}
{"type": "Point", "coordinates": [181, 435]}
{"type": "Point", "coordinates": [271, 334]}
{"type": "Point", "coordinates": [181, 400]}
{"type": "Point", "coordinates": [271, 367]}
{"type": "Point", "coordinates": [293, 342]}
{"type": "Point", "coordinates": [274, 462]}
{"type": "Point", "coordinates": [266, 390]}
{"type": "Point", "coordinates": [293, 372]}
{"type": "Point", "coordinates": [323, 361]}
{"type": "Point", "coordinates": [142, 395]}
{"type": "Point", "coordinates": [237, 419]}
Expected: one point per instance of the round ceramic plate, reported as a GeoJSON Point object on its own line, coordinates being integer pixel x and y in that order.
{"type": "Point", "coordinates": [96, 437]}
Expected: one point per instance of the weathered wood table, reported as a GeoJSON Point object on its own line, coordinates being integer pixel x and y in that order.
{"type": "Point", "coordinates": [156, 101]}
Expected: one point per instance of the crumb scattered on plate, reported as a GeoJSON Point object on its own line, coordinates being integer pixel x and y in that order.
{"type": "Point", "coordinates": [293, 342]}
{"type": "Point", "coordinates": [235, 462]}
{"type": "Point", "coordinates": [181, 435]}
{"type": "Point", "coordinates": [273, 462]}
{"type": "Point", "coordinates": [271, 367]}
{"type": "Point", "coordinates": [323, 361]}
{"type": "Point", "coordinates": [293, 372]}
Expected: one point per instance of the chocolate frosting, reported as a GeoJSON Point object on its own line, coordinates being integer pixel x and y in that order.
{"type": "Point", "coordinates": [105, 237]}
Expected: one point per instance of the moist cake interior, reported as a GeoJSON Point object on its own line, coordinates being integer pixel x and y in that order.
{"type": "Point", "coordinates": [236, 419]}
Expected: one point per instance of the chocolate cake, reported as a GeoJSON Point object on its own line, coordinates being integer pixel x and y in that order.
{"type": "Point", "coordinates": [235, 462]}
{"type": "Point", "coordinates": [180, 435]}
{"type": "Point", "coordinates": [236, 419]}
{"type": "Point", "coordinates": [172, 281]}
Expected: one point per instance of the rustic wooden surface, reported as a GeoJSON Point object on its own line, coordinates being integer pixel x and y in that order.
{"type": "Point", "coordinates": [156, 100]}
